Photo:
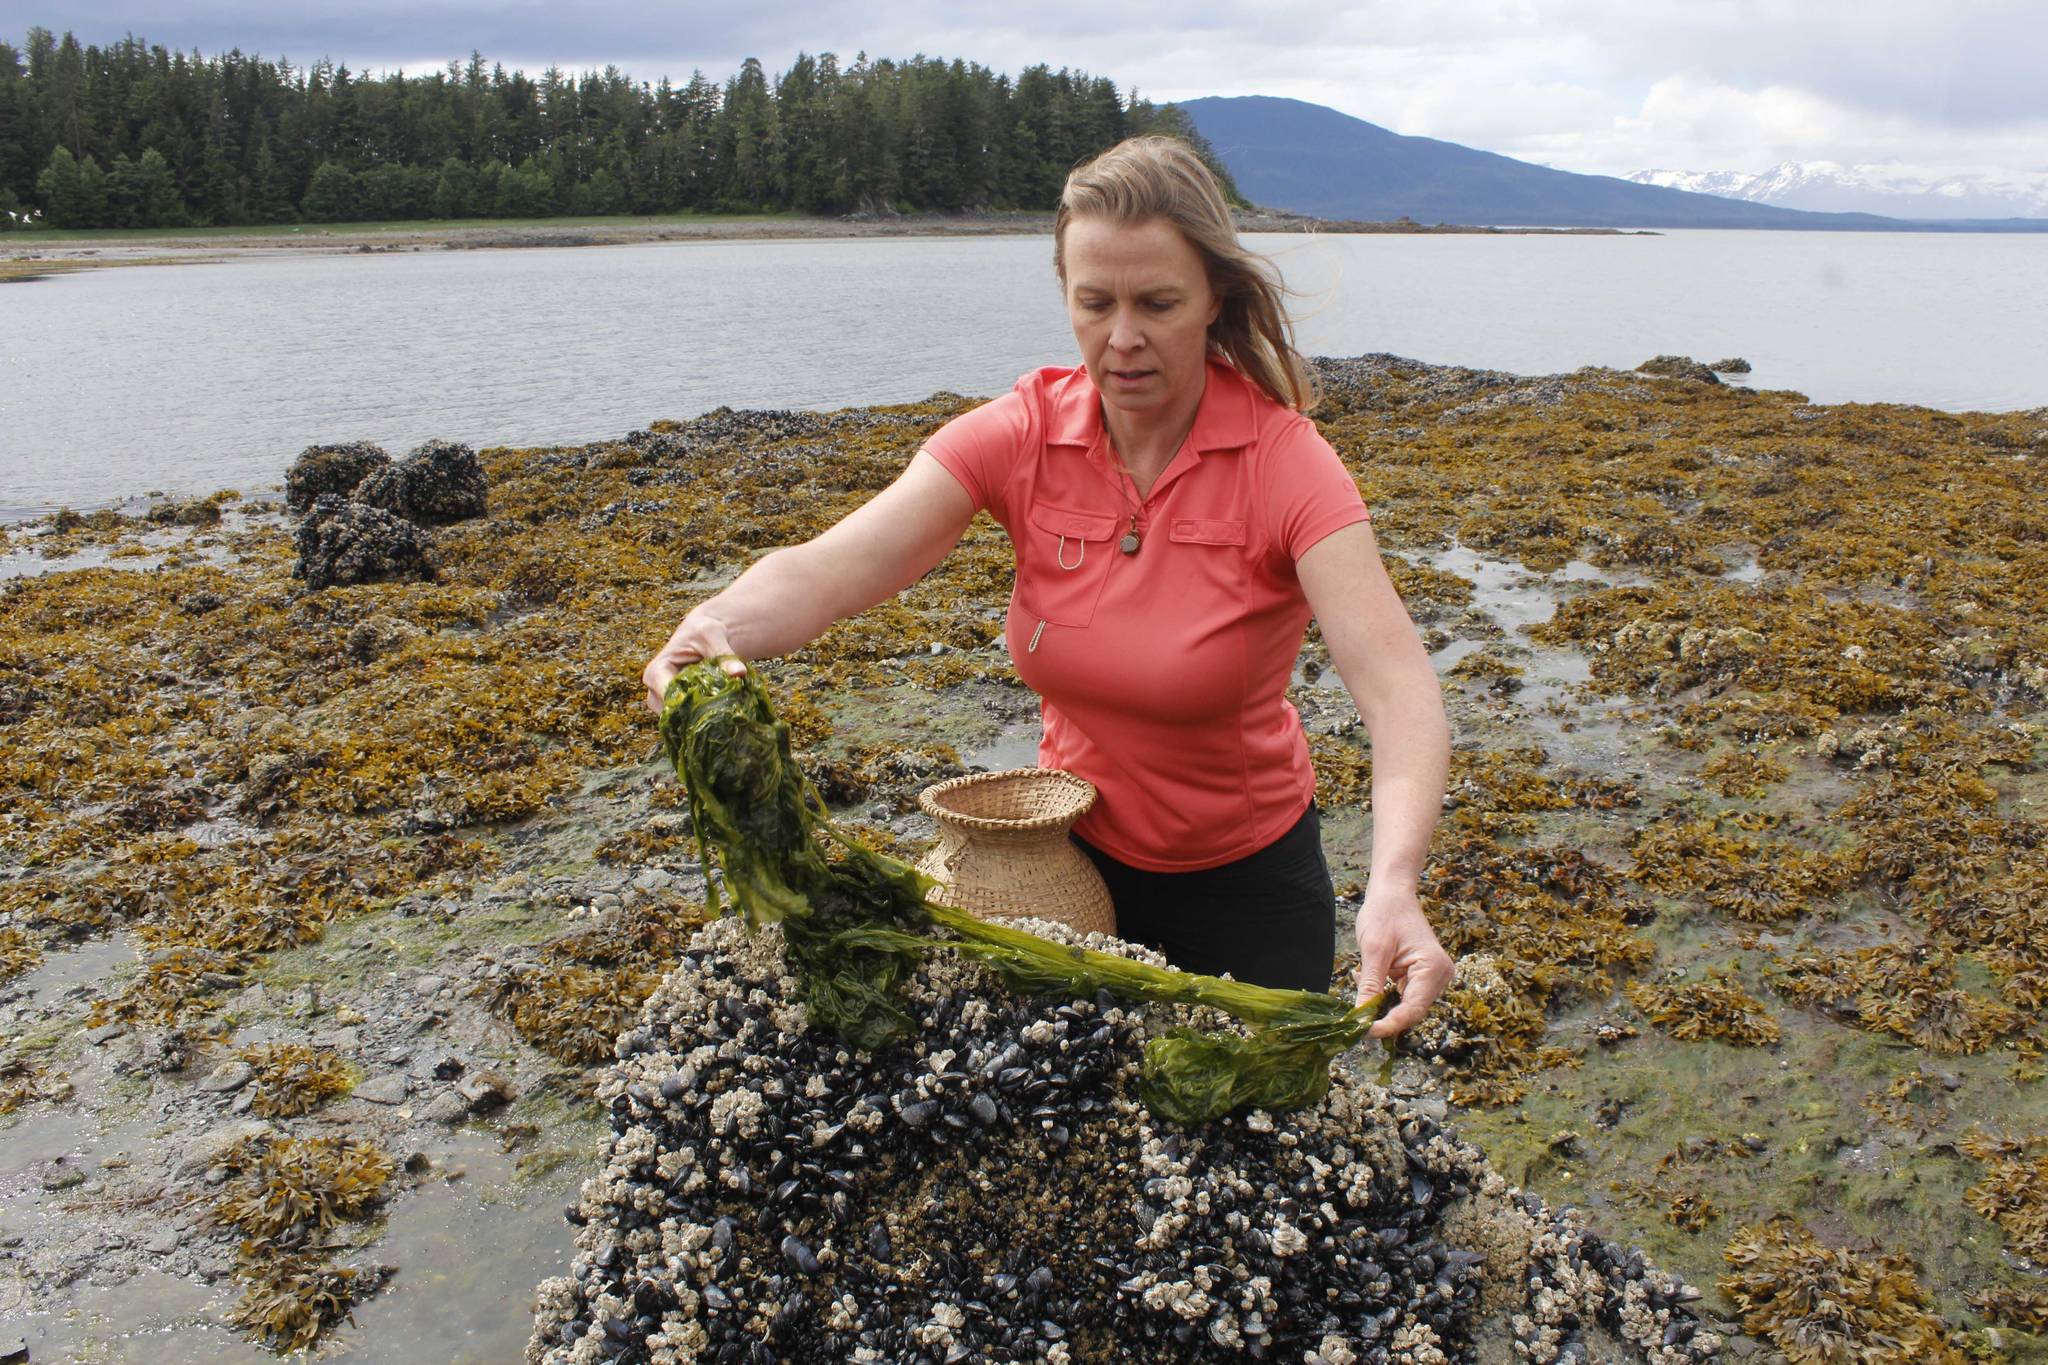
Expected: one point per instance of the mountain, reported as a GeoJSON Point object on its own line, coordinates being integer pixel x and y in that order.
{"type": "Point", "coordinates": [1289, 154]}
{"type": "Point", "coordinates": [1897, 191]}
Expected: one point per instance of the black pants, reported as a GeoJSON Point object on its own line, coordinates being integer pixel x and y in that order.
{"type": "Point", "coordinates": [1269, 918]}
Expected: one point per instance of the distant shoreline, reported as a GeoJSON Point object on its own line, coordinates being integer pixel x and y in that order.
{"type": "Point", "coordinates": [30, 256]}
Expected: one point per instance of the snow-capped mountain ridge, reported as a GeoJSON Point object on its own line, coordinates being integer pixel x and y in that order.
{"type": "Point", "coordinates": [1892, 189]}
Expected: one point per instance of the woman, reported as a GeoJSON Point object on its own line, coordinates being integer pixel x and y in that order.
{"type": "Point", "coordinates": [1176, 521]}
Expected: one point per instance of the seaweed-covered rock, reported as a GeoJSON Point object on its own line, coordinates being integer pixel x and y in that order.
{"type": "Point", "coordinates": [342, 541]}
{"type": "Point", "coordinates": [997, 1190]}
{"type": "Point", "coordinates": [375, 636]}
{"type": "Point", "coordinates": [190, 512]}
{"type": "Point", "coordinates": [1678, 367]}
{"type": "Point", "coordinates": [19, 697]}
{"type": "Point", "coordinates": [330, 469]}
{"type": "Point", "coordinates": [1732, 365]}
{"type": "Point", "coordinates": [440, 482]}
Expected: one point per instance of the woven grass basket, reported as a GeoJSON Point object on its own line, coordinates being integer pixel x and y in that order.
{"type": "Point", "coordinates": [1003, 848]}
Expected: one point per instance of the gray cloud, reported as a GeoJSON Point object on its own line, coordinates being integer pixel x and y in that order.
{"type": "Point", "coordinates": [1596, 85]}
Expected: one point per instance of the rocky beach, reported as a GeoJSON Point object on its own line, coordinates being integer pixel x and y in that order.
{"type": "Point", "coordinates": [343, 887]}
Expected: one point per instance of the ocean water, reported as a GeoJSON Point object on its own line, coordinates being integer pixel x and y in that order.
{"type": "Point", "coordinates": [188, 379]}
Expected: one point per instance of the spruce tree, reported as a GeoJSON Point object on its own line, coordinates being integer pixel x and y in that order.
{"type": "Point", "coordinates": [454, 190]}
{"type": "Point", "coordinates": [271, 199]}
{"type": "Point", "coordinates": [73, 192]}
{"type": "Point", "coordinates": [335, 196]}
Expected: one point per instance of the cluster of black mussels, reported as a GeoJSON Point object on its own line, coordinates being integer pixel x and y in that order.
{"type": "Point", "coordinates": [996, 1189]}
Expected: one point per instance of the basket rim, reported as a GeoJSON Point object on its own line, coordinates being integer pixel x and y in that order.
{"type": "Point", "coordinates": [928, 802]}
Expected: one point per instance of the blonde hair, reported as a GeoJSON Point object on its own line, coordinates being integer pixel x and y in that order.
{"type": "Point", "coordinates": [1146, 178]}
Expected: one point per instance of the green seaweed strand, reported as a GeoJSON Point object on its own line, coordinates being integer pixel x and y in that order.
{"type": "Point", "coordinates": [858, 922]}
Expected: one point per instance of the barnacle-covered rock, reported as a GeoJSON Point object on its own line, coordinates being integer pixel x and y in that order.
{"type": "Point", "coordinates": [1484, 1030]}
{"type": "Point", "coordinates": [342, 542]}
{"type": "Point", "coordinates": [333, 469]}
{"type": "Point", "coordinates": [376, 635]}
{"type": "Point", "coordinates": [188, 512]}
{"type": "Point", "coordinates": [1679, 367]}
{"type": "Point", "coordinates": [439, 482]}
{"type": "Point", "coordinates": [997, 1190]}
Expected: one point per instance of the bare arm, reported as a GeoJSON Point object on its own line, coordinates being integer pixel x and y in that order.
{"type": "Point", "coordinates": [1380, 657]}
{"type": "Point", "coordinates": [789, 597]}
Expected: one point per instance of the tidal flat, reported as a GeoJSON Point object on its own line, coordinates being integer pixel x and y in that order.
{"type": "Point", "coordinates": [320, 911]}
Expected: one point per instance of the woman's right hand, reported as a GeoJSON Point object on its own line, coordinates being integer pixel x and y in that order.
{"type": "Point", "coordinates": [699, 636]}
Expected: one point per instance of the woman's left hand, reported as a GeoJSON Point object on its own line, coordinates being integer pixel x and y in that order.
{"type": "Point", "coordinates": [1397, 947]}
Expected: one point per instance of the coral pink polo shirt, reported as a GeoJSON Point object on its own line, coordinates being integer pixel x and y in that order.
{"type": "Point", "coordinates": [1162, 674]}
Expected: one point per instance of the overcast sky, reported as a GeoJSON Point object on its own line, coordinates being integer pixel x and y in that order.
{"type": "Point", "coordinates": [1607, 86]}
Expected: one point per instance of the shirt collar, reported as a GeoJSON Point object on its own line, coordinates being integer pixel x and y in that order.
{"type": "Point", "coordinates": [1223, 419]}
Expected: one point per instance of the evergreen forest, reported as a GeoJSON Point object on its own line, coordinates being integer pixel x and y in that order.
{"type": "Point", "coordinates": [134, 136]}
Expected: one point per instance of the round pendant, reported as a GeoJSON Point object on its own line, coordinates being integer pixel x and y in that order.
{"type": "Point", "coordinates": [1129, 544]}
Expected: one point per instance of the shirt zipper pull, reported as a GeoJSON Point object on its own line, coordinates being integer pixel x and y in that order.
{"type": "Point", "coordinates": [1032, 648]}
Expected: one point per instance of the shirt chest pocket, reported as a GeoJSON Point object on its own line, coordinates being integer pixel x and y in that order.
{"type": "Point", "coordinates": [1064, 564]}
{"type": "Point", "coordinates": [1209, 560]}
